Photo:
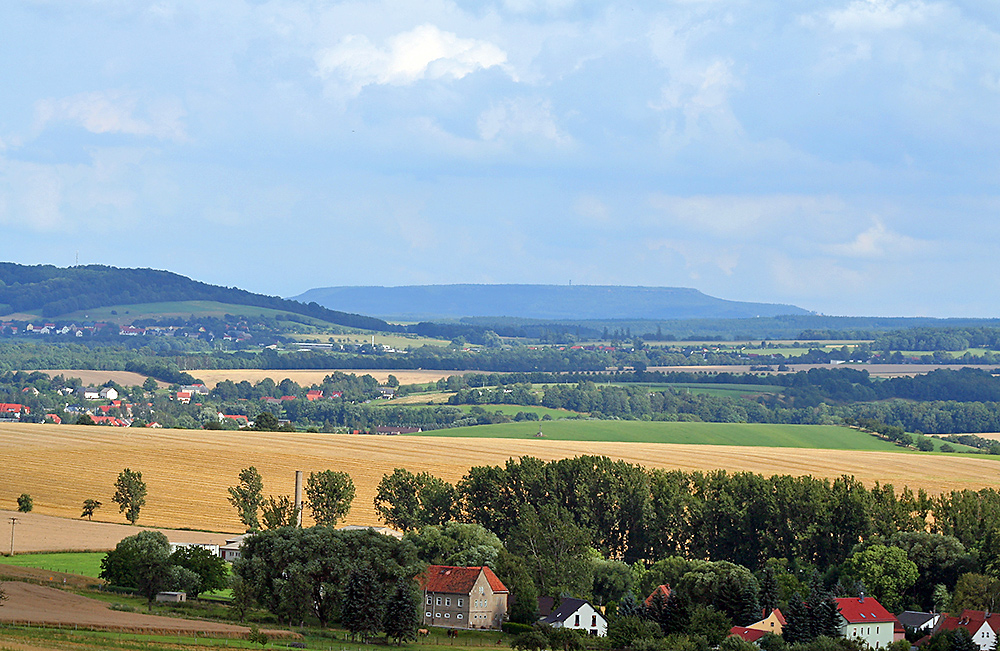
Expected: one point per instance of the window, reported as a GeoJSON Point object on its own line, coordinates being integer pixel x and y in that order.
{"type": "Point", "coordinates": [593, 620]}
{"type": "Point", "coordinates": [458, 616]}
{"type": "Point", "coordinates": [447, 615]}
{"type": "Point", "coordinates": [576, 620]}
{"type": "Point", "coordinates": [447, 601]}
{"type": "Point", "coordinates": [482, 590]}
{"type": "Point", "coordinates": [428, 614]}
{"type": "Point", "coordinates": [437, 614]}
{"type": "Point", "coordinates": [429, 600]}
{"type": "Point", "coordinates": [460, 602]}
{"type": "Point", "coordinates": [439, 601]}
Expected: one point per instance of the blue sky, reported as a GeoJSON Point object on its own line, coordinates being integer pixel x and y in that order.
{"type": "Point", "coordinates": [841, 155]}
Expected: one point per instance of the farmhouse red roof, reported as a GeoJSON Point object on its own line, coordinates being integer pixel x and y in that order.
{"type": "Point", "coordinates": [660, 589]}
{"type": "Point", "coordinates": [457, 580]}
{"type": "Point", "coordinates": [856, 610]}
{"type": "Point", "coordinates": [748, 634]}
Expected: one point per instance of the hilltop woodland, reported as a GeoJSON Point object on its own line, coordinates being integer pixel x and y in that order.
{"type": "Point", "coordinates": [957, 403]}
{"type": "Point", "coordinates": [727, 544]}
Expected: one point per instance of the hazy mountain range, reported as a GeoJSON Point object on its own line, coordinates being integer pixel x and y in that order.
{"type": "Point", "coordinates": [555, 302]}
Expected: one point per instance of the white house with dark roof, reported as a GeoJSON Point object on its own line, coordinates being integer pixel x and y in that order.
{"type": "Point", "coordinates": [579, 615]}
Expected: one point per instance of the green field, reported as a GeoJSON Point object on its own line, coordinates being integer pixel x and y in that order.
{"type": "Point", "coordinates": [827, 437]}
{"type": "Point", "coordinates": [82, 563]}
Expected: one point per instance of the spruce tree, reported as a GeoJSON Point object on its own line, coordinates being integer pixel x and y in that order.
{"type": "Point", "coordinates": [630, 606]}
{"type": "Point", "coordinates": [676, 614]}
{"type": "Point", "coordinates": [797, 625]}
{"type": "Point", "coordinates": [401, 613]}
{"type": "Point", "coordinates": [363, 609]}
{"type": "Point", "coordinates": [768, 590]}
{"type": "Point", "coordinates": [749, 611]}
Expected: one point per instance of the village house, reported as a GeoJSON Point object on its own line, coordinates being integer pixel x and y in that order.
{"type": "Point", "coordinates": [231, 550]}
{"type": "Point", "coordinates": [918, 621]}
{"type": "Point", "coordinates": [865, 619]}
{"type": "Point", "coordinates": [578, 615]}
{"type": "Point", "coordinates": [982, 626]}
{"type": "Point", "coordinates": [462, 597]}
{"type": "Point", "coordinates": [13, 411]}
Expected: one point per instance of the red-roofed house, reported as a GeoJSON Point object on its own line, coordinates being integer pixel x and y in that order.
{"type": "Point", "coordinates": [660, 589]}
{"type": "Point", "coordinates": [183, 397]}
{"type": "Point", "coordinates": [110, 420]}
{"type": "Point", "coordinates": [463, 597]}
{"type": "Point", "coordinates": [314, 394]}
{"type": "Point", "coordinates": [13, 411]}
{"type": "Point", "coordinates": [748, 634]}
{"type": "Point", "coordinates": [54, 418]}
{"type": "Point", "coordinates": [773, 623]}
{"type": "Point", "coordinates": [865, 619]}
{"type": "Point", "coordinates": [982, 627]}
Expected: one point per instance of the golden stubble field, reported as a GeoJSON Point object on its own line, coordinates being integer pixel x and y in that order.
{"type": "Point", "coordinates": [188, 471]}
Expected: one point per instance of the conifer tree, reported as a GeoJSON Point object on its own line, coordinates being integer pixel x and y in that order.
{"type": "Point", "coordinates": [401, 614]}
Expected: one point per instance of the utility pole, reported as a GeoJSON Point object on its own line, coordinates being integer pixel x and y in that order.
{"type": "Point", "coordinates": [13, 521]}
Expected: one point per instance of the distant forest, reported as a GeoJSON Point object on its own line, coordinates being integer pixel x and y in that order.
{"type": "Point", "coordinates": [56, 291]}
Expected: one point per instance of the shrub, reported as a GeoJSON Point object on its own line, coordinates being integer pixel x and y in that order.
{"type": "Point", "coordinates": [25, 503]}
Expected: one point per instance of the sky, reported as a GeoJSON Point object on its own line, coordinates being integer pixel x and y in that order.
{"type": "Point", "coordinates": [839, 155]}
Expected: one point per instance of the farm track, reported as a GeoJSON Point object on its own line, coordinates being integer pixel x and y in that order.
{"type": "Point", "coordinates": [188, 471]}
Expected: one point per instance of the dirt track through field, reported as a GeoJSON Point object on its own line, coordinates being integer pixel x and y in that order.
{"type": "Point", "coordinates": [42, 605]}
{"type": "Point", "coordinates": [188, 471]}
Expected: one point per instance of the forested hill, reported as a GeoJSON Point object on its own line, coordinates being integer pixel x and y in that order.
{"type": "Point", "coordinates": [56, 291]}
{"type": "Point", "coordinates": [539, 302]}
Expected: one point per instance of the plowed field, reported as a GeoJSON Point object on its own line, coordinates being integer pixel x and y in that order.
{"type": "Point", "coordinates": [45, 606]}
{"type": "Point", "coordinates": [188, 471]}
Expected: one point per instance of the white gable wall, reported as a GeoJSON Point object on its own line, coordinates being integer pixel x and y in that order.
{"type": "Point", "coordinates": [586, 618]}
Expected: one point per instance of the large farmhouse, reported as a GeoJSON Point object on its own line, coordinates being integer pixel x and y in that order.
{"type": "Point", "coordinates": [462, 597]}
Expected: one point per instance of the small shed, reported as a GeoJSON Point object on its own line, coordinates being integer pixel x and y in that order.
{"type": "Point", "coordinates": [174, 597]}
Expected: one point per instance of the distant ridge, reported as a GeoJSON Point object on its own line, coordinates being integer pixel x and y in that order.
{"type": "Point", "coordinates": [426, 302]}
{"type": "Point", "coordinates": [54, 291]}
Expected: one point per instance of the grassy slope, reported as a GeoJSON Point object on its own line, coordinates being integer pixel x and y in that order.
{"type": "Point", "coordinates": [826, 437]}
{"type": "Point", "coordinates": [83, 563]}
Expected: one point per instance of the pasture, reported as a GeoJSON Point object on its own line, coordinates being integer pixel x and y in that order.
{"type": "Point", "coordinates": [825, 437]}
{"type": "Point", "coordinates": [188, 471]}
{"type": "Point", "coordinates": [81, 563]}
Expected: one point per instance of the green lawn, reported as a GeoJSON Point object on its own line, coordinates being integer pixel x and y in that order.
{"type": "Point", "coordinates": [765, 435]}
{"type": "Point", "coordinates": [82, 563]}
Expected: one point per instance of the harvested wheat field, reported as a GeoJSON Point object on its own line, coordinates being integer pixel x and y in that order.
{"type": "Point", "coordinates": [187, 471]}
{"type": "Point", "coordinates": [42, 605]}
{"type": "Point", "coordinates": [305, 377]}
{"type": "Point", "coordinates": [35, 532]}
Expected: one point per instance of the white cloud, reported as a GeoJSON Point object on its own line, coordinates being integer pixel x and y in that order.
{"type": "Point", "coordinates": [424, 52]}
{"type": "Point", "coordinates": [880, 15]}
{"type": "Point", "coordinates": [742, 216]}
{"type": "Point", "coordinates": [114, 112]}
{"type": "Point", "coordinates": [521, 117]}
{"type": "Point", "coordinates": [876, 242]}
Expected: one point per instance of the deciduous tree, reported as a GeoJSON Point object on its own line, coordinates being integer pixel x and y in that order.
{"type": "Point", "coordinates": [329, 494]}
{"type": "Point", "coordinates": [130, 494]}
{"type": "Point", "coordinates": [89, 506]}
{"type": "Point", "coordinates": [247, 497]}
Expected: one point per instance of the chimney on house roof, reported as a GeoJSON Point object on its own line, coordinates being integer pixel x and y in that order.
{"type": "Point", "coordinates": [861, 598]}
